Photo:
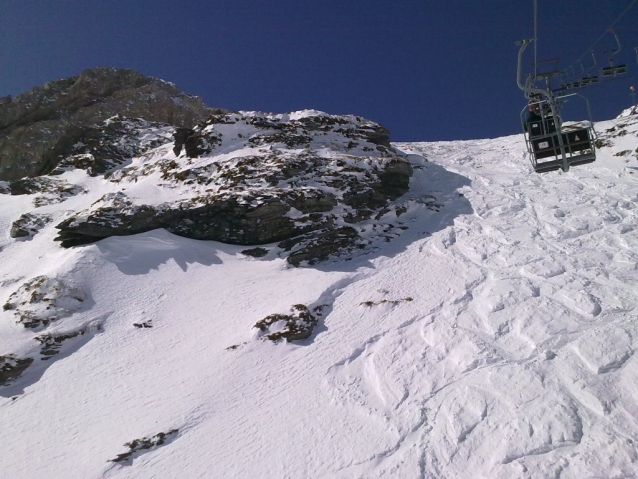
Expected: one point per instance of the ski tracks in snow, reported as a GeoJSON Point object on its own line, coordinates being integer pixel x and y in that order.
{"type": "Point", "coordinates": [492, 339]}
{"type": "Point", "coordinates": [526, 367]}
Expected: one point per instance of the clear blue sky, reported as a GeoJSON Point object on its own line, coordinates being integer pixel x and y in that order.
{"type": "Point", "coordinates": [427, 70]}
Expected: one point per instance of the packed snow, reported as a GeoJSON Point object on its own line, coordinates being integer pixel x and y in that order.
{"type": "Point", "coordinates": [494, 338]}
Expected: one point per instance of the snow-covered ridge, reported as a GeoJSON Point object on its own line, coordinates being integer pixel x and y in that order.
{"type": "Point", "coordinates": [495, 337]}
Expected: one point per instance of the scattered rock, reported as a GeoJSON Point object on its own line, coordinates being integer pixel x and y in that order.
{"type": "Point", "coordinates": [318, 246]}
{"type": "Point", "coordinates": [195, 142]}
{"type": "Point", "coordinates": [386, 301]}
{"type": "Point", "coordinates": [103, 147]}
{"type": "Point", "coordinates": [145, 324]}
{"type": "Point", "coordinates": [51, 343]}
{"type": "Point", "coordinates": [138, 447]}
{"type": "Point", "coordinates": [51, 190]}
{"type": "Point", "coordinates": [295, 326]}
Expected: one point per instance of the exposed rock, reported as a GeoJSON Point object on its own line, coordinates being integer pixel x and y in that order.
{"type": "Point", "coordinates": [259, 178]}
{"type": "Point", "coordinates": [42, 300]}
{"type": "Point", "coordinates": [51, 190]}
{"type": "Point", "coordinates": [319, 245]}
{"type": "Point", "coordinates": [35, 122]}
{"type": "Point", "coordinates": [195, 142]}
{"type": "Point", "coordinates": [138, 446]}
{"type": "Point", "coordinates": [295, 326]}
{"type": "Point", "coordinates": [11, 368]}
{"type": "Point", "coordinates": [28, 225]}
{"type": "Point", "coordinates": [144, 325]}
{"type": "Point", "coordinates": [386, 301]}
{"type": "Point", "coordinates": [103, 147]}
{"type": "Point", "coordinates": [51, 343]}
{"type": "Point", "coordinates": [301, 179]}
{"type": "Point", "coordinates": [255, 252]}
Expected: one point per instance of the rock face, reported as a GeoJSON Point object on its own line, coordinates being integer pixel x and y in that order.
{"type": "Point", "coordinates": [302, 179]}
{"type": "Point", "coordinates": [128, 154]}
{"type": "Point", "coordinates": [36, 127]}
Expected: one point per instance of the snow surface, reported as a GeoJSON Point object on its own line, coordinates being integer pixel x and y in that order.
{"type": "Point", "coordinates": [493, 339]}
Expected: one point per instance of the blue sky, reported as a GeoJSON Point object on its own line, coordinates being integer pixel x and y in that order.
{"type": "Point", "coordinates": [427, 70]}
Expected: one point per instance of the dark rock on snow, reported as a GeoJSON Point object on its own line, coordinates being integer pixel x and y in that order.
{"type": "Point", "coordinates": [33, 123]}
{"type": "Point", "coordinates": [300, 182]}
{"type": "Point", "coordinates": [28, 225]}
{"type": "Point", "coordinates": [296, 325]}
{"type": "Point", "coordinates": [308, 181]}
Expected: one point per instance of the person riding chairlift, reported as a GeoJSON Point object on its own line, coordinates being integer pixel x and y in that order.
{"type": "Point", "coordinates": [540, 111]}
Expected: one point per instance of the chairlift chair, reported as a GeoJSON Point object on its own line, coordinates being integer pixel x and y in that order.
{"type": "Point", "coordinates": [553, 146]}
{"type": "Point", "coordinates": [614, 70]}
{"type": "Point", "coordinates": [550, 144]}
{"type": "Point", "coordinates": [589, 79]}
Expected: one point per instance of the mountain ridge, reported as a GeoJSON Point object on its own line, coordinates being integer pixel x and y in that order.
{"type": "Point", "coordinates": [33, 123]}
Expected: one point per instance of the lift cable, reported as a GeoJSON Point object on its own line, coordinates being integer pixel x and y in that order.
{"type": "Point", "coordinates": [535, 38]}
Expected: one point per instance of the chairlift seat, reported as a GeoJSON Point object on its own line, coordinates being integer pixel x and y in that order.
{"type": "Point", "coordinates": [613, 71]}
{"type": "Point", "coordinates": [578, 147]}
{"type": "Point", "coordinates": [577, 140]}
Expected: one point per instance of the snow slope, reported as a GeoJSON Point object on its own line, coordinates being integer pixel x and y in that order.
{"type": "Point", "coordinates": [492, 339]}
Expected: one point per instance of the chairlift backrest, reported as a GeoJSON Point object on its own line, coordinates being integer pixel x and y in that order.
{"type": "Point", "coordinates": [614, 70]}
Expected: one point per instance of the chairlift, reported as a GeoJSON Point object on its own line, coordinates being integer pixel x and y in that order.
{"type": "Point", "coordinates": [584, 80]}
{"type": "Point", "coordinates": [552, 145]}
{"type": "Point", "coordinates": [589, 79]}
{"type": "Point", "coordinates": [614, 70]}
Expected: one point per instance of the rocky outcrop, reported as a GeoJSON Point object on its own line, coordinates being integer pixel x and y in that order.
{"type": "Point", "coordinates": [11, 368]}
{"type": "Point", "coordinates": [295, 326]}
{"type": "Point", "coordinates": [43, 300]}
{"type": "Point", "coordinates": [301, 179]}
{"type": "Point", "coordinates": [28, 225]}
{"type": "Point", "coordinates": [307, 184]}
{"type": "Point", "coordinates": [47, 190]}
{"type": "Point", "coordinates": [36, 127]}
{"type": "Point", "coordinates": [103, 147]}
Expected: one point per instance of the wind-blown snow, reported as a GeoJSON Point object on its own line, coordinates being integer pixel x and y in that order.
{"type": "Point", "coordinates": [493, 339]}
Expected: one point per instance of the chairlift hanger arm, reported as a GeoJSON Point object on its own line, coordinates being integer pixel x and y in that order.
{"type": "Point", "coordinates": [527, 89]}
{"type": "Point", "coordinates": [617, 51]}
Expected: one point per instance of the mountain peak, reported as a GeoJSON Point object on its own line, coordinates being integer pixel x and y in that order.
{"type": "Point", "coordinates": [33, 123]}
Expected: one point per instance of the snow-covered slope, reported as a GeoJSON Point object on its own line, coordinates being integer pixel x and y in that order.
{"type": "Point", "coordinates": [494, 338]}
